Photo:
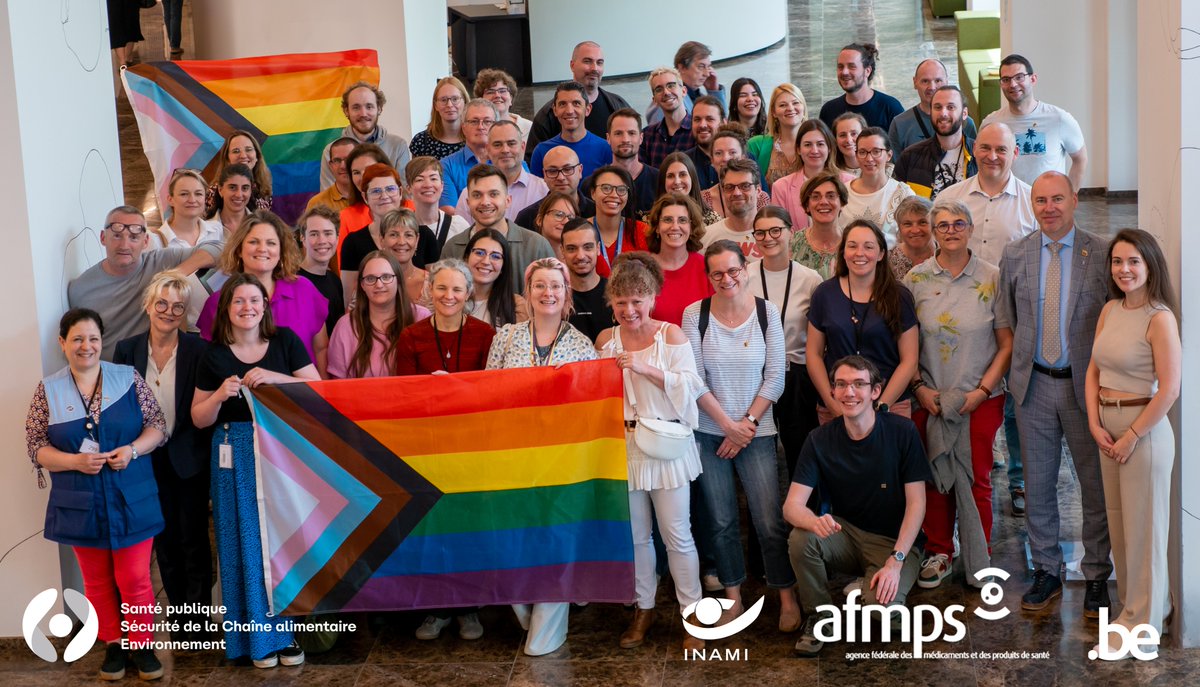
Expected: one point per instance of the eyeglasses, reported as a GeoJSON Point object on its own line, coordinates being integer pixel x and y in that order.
{"type": "Point", "coordinates": [956, 227]}
{"type": "Point", "coordinates": [372, 279]}
{"type": "Point", "coordinates": [500, 90]}
{"type": "Point", "coordinates": [773, 232]}
{"type": "Point", "coordinates": [117, 229]}
{"type": "Point", "coordinates": [672, 85]}
{"type": "Point", "coordinates": [858, 384]}
{"type": "Point", "coordinates": [484, 123]}
{"type": "Point", "coordinates": [449, 100]}
{"type": "Point", "coordinates": [494, 256]}
{"type": "Point", "coordinates": [337, 161]}
{"type": "Point", "coordinates": [552, 287]}
{"type": "Point", "coordinates": [380, 190]}
{"type": "Point", "coordinates": [559, 215]}
{"type": "Point", "coordinates": [876, 153]}
{"type": "Point", "coordinates": [161, 306]}
{"type": "Point", "coordinates": [185, 170]}
{"type": "Point", "coordinates": [744, 187]}
{"type": "Point", "coordinates": [609, 189]}
{"type": "Point", "coordinates": [564, 171]}
{"type": "Point", "coordinates": [732, 273]}
{"type": "Point", "coordinates": [1015, 78]}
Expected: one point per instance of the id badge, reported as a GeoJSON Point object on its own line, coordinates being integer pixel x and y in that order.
{"type": "Point", "coordinates": [225, 456]}
{"type": "Point", "coordinates": [89, 445]}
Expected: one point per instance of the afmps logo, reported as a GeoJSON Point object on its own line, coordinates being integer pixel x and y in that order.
{"type": "Point", "coordinates": [59, 625]}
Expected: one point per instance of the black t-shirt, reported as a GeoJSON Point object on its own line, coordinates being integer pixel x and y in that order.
{"type": "Point", "coordinates": [644, 188]}
{"type": "Point", "coordinates": [285, 353]}
{"type": "Point", "coordinates": [359, 243]}
{"type": "Point", "coordinates": [706, 174]}
{"type": "Point", "coordinates": [863, 481]}
{"type": "Point", "coordinates": [592, 313]}
{"type": "Point", "coordinates": [879, 111]}
{"type": "Point", "coordinates": [831, 312]}
{"type": "Point", "coordinates": [330, 287]}
{"type": "Point", "coordinates": [528, 217]}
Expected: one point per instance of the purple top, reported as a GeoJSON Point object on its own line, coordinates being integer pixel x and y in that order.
{"type": "Point", "coordinates": [296, 304]}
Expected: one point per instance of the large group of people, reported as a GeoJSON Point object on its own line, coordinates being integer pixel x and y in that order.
{"type": "Point", "coordinates": [862, 299]}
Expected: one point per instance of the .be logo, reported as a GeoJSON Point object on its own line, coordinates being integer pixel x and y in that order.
{"type": "Point", "coordinates": [1131, 641]}
{"type": "Point", "coordinates": [708, 611]}
{"type": "Point", "coordinates": [60, 625]}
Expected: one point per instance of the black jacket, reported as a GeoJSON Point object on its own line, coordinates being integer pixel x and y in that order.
{"type": "Point", "coordinates": [918, 161]}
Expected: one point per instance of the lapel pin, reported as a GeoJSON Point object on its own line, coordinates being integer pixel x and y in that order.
{"type": "Point", "coordinates": [1083, 252]}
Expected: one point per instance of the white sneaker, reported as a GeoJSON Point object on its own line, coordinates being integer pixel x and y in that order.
{"type": "Point", "coordinates": [269, 661]}
{"type": "Point", "coordinates": [432, 627]}
{"type": "Point", "coordinates": [934, 569]}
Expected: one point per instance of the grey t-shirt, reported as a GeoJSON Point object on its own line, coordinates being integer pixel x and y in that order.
{"type": "Point", "coordinates": [524, 247]}
{"type": "Point", "coordinates": [119, 299]}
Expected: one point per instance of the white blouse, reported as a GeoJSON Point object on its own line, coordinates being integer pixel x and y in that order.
{"type": "Point", "coordinates": [162, 385]}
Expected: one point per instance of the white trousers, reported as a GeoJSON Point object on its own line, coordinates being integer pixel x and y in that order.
{"type": "Point", "coordinates": [673, 508]}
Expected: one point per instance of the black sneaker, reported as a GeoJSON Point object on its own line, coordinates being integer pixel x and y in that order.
{"type": "Point", "coordinates": [1018, 502]}
{"type": "Point", "coordinates": [291, 655]}
{"type": "Point", "coordinates": [148, 665]}
{"type": "Point", "coordinates": [1046, 588]}
{"type": "Point", "coordinates": [1095, 598]}
{"type": "Point", "coordinates": [809, 645]}
{"type": "Point", "coordinates": [114, 662]}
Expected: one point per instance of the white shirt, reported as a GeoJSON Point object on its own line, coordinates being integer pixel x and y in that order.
{"type": "Point", "coordinates": [722, 230]}
{"type": "Point", "coordinates": [1045, 137]}
{"type": "Point", "coordinates": [879, 207]}
{"type": "Point", "coordinates": [162, 385]}
{"type": "Point", "coordinates": [999, 220]}
{"type": "Point", "coordinates": [795, 319]}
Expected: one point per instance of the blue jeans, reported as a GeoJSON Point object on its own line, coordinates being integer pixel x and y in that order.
{"type": "Point", "coordinates": [173, 19]}
{"type": "Point", "coordinates": [755, 466]}
{"type": "Point", "coordinates": [1016, 470]}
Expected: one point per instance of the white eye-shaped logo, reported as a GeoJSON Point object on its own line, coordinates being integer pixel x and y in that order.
{"type": "Point", "coordinates": [59, 625]}
{"type": "Point", "coordinates": [991, 594]}
{"type": "Point", "coordinates": [708, 611]}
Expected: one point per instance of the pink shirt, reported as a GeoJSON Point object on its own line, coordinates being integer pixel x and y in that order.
{"type": "Point", "coordinates": [296, 304]}
{"type": "Point", "coordinates": [785, 193]}
{"type": "Point", "coordinates": [343, 342]}
{"type": "Point", "coordinates": [681, 288]}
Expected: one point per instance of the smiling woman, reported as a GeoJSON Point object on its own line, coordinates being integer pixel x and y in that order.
{"type": "Point", "coordinates": [241, 148]}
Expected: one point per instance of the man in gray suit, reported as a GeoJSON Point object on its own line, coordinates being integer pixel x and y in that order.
{"type": "Point", "coordinates": [1053, 284]}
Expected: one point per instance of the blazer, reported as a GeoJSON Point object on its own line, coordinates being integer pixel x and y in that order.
{"type": "Point", "coordinates": [1017, 305]}
{"type": "Point", "coordinates": [188, 450]}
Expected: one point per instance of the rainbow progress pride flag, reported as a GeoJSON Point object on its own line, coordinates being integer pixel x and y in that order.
{"type": "Point", "coordinates": [291, 103]}
{"type": "Point", "coordinates": [480, 488]}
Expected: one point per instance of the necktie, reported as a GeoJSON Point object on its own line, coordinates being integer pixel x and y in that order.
{"type": "Point", "coordinates": [1051, 345]}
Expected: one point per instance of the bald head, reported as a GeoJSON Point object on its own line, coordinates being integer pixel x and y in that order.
{"type": "Point", "coordinates": [995, 152]}
{"type": "Point", "coordinates": [930, 76]}
{"type": "Point", "coordinates": [587, 65]}
{"type": "Point", "coordinates": [1054, 202]}
{"type": "Point", "coordinates": [557, 160]}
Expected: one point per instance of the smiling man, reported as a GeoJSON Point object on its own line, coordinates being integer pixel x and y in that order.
{"type": "Point", "coordinates": [914, 125]}
{"type": "Point", "coordinates": [587, 69]}
{"type": "Point", "coordinates": [672, 132]}
{"type": "Point", "coordinates": [739, 191]}
{"type": "Point", "coordinates": [478, 119]}
{"type": "Point", "coordinates": [114, 286]}
{"type": "Point", "coordinates": [362, 103]}
{"type": "Point", "coordinates": [506, 151]}
{"type": "Point", "coordinates": [855, 71]}
{"type": "Point", "coordinates": [592, 313]}
{"type": "Point", "coordinates": [708, 114]}
{"type": "Point", "coordinates": [625, 137]}
{"type": "Point", "coordinates": [336, 196]}
{"type": "Point", "coordinates": [571, 109]}
{"type": "Point", "coordinates": [872, 470]}
{"type": "Point", "coordinates": [945, 159]}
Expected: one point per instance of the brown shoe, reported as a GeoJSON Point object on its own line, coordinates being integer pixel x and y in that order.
{"type": "Point", "coordinates": [633, 637]}
{"type": "Point", "coordinates": [691, 643]}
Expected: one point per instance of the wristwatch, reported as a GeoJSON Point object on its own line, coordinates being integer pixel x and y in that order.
{"type": "Point", "coordinates": [135, 453]}
{"type": "Point", "coordinates": [752, 419]}
{"type": "Point", "coordinates": [898, 555]}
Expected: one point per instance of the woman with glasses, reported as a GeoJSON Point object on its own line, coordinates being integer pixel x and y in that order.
{"type": "Point", "coordinates": [728, 144]}
{"type": "Point", "coordinates": [963, 360]}
{"type": "Point", "coordinates": [738, 343]}
{"type": "Point", "coordinates": [775, 151]}
{"type": "Point", "coordinates": [499, 87]}
{"type": "Point", "coordinates": [675, 241]}
{"type": "Point", "coordinates": [265, 247]}
{"type": "Point", "coordinates": [424, 178]}
{"type": "Point", "coordinates": [235, 187]}
{"type": "Point", "coordinates": [846, 128]}
{"type": "Point", "coordinates": [678, 175]}
{"type": "Point", "coordinates": [443, 136]}
{"type": "Point", "coordinates": [240, 148]}
{"type": "Point", "coordinates": [167, 359]}
{"type": "Point", "coordinates": [401, 238]}
{"type": "Point", "coordinates": [914, 243]}
{"type": "Point", "coordinates": [492, 299]}
{"type": "Point", "coordinates": [863, 311]}
{"type": "Point", "coordinates": [545, 339]}
{"type": "Point", "coordinates": [748, 106]}
{"type": "Point", "coordinates": [823, 197]}
{"type": "Point", "coordinates": [554, 211]}
{"type": "Point", "coordinates": [789, 286]}
{"type": "Point", "coordinates": [365, 339]}
{"type": "Point", "coordinates": [247, 351]}
{"type": "Point", "coordinates": [874, 195]}
{"type": "Point", "coordinates": [619, 230]}
{"type": "Point", "coordinates": [450, 340]}
{"type": "Point", "coordinates": [814, 146]}
{"type": "Point", "coordinates": [357, 215]}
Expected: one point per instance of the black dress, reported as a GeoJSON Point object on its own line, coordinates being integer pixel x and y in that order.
{"type": "Point", "coordinates": [124, 23]}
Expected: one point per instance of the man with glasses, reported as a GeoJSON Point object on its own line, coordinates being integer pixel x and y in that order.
{"type": "Point", "coordinates": [506, 151]}
{"type": "Point", "coordinates": [1046, 135]}
{"type": "Point", "coordinates": [674, 131]}
{"type": "Point", "coordinates": [478, 119]}
{"type": "Point", "coordinates": [563, 174]}
{"type": "Point", "coordinates": [114, 286]}
{"type": "Point", "coordinates": [625, 137]}
{"type": "Point", "coordinates": [872, 470]}
{"type": "Point", "coordinates": [945, 159]}
{"type": "Point", "coordinates": [739, 192]}
{"type": "Point", "coordinates": [587, 68]}
{"type": "Point", "coordinates": [570, 109]}
{"type": "Point", "coordinates": [581, 254]}
{"type": "Point", "coordinates": [336, 196]}
{"type": "Point", "coordinates": [488, 201]}
{"type": "Point", "coordinates": [362, 103]}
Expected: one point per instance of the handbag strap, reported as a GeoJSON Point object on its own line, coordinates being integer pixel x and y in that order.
{"type": "Point", "coordinates": [618, 349]}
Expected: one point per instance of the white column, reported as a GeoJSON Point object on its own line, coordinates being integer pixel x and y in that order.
{"type": "Point", "coordinates": [61, 175]}
{"type": "Point", "coordinates": [409, 35]}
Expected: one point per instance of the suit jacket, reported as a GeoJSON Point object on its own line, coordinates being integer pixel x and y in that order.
{"type": "Point", "coordinates": [188, 450]}
{"type": "Point", "coordinates": [1017, 305]}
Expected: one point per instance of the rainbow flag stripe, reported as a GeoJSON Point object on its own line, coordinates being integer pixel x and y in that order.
{"type": "Point", "coordinates": [290, 103]}
{"type": "Point", "coordinates": [481, 488]}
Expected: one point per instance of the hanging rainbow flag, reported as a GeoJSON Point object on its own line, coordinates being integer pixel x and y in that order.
{"type": "Point", "coordinates": [480, 488]}
{"type": "Point", "coordinates": [291, 103]}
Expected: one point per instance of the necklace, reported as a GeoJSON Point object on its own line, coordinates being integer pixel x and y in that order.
{"type": "Point", "coordinates": [858, 321]}
{"type": "Point", "coordinates": [536, 357]}
{"type": "Point", "coordinates": [437, 340]}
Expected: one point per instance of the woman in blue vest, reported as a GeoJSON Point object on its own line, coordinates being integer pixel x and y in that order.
{"type": "Point", "coordinates": [87, 425]}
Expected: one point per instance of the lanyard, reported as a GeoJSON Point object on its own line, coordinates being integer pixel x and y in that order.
{"type": "Point", "coordinates": [858, 322]}
{"type": "Point", "coordinates": [787, 289]}
{"type": "Point", "coordinates": [437, 340]}
{"type": "Point", "coordinates": [92, 422]}
{"type": "Point", "coordinates": [536, 358]}
{"type": "Point", "coordinates": [604, 248]}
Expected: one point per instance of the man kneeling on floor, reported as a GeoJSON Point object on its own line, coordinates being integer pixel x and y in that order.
{"type": "Point", "coordinates": [871, 469]}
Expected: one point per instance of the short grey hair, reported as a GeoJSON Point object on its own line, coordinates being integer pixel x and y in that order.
{"type": "Point", "coordinates": [449, 264]}
{"type": "Point", "coordinates": [123, 210]}
{"type": "Point", "coordinates": [954, 207]}
{"type": "Point", "coordinates": [483, 102]}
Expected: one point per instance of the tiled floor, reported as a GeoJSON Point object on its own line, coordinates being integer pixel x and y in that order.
{"type": "Point", "coordinates": [383, 651]}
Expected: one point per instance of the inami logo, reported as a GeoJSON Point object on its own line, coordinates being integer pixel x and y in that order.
{"type": "Point", "coordinates": [708, 611]}
{"type": "Point", "coordinates": [60, 625]}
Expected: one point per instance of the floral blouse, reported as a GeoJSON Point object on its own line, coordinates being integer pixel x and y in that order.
{"type": "Point", "coordinates": [37, 424]}
{"type": "Point", "coordinates": [513, 347]}
{"type": "Point", "coordinates": [805, 254]}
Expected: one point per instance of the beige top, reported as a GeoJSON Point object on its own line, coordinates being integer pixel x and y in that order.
{"type": "Point", "coordinates": [1121, 351]}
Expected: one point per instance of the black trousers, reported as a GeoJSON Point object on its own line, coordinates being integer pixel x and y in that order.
{"type": "Point", "coordinates": [183, 550]}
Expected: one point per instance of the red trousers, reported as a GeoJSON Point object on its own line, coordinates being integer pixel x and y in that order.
{"type": "Point", "coordinates": [113, 577]}
{"type": "Point", "coordinates": [940, 508]}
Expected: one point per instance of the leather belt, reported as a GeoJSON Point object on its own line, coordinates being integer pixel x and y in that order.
{"type": "Point", "coordinates": [1055, 372]}
{"type": "Point", "coordinates": [1124, 402]}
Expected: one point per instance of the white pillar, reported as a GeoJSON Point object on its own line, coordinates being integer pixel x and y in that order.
{"type": "Point", "coordinates": [409, 35]}
{"type": "Point", "coordinates": [62, 174]}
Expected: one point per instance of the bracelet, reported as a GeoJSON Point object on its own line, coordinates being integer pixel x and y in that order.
{"type": "Point", "coordinates": [1139, 436]}
{"type": "Point", "coordinates": [984, 389]}
{"type": "Point", "coordinates": [916, 385]}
